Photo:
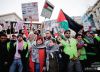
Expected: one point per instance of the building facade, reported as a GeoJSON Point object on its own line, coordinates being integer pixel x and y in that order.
{"type": "Point", "coordinates": [91, 18]}
{"type": "Point", "coordinates": [96, 14]}
{"type": "Point", "coordinates": [9, 21]}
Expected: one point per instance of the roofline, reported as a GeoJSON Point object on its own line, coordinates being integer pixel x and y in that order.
{"type": "Point", "coordinates": [92, 6]}
{"type": "Point", "coordinates": [28, 22]}
{"type": "Point", "coordinates": [13, 13]}
{"type": "Point", "coordinates": [96, 3]}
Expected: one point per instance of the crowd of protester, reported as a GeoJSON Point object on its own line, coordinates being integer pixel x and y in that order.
{"type": "Point", "coordinates": [48, 53]}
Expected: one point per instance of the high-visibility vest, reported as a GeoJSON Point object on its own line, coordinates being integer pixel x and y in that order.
{"type": "Point", "coordinates": [24, 46]}
{"type": "Point", "coordinates": [86, 40]}
{"type": "Point", "coordinates": [8, 46]}
{"type": "Point", "coordinates": [98, 38]}
{"type": "Point", "coordinates": [89, 53]}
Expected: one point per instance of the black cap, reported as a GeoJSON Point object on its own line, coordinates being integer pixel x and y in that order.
{"type": "Point", "coordinates": [2, 33]}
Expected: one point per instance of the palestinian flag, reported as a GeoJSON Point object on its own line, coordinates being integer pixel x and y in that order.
{"type": "Point", "coordinates": [62, 21]}
{"type": "Point", "coordinates": [48, 6]}
{"type": "Point", "coordinates": [66, 22]}
{"type": "Point", "coordinates": [47, 9]}
{"type": "Point", "coordinates": [72, 24]}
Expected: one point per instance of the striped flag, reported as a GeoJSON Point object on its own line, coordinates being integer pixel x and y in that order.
{"type": "Point", "coordinates": [62, 20]}
{"type": "Point", "coordinates": [66, 22]}
{"type": "Point", "coordinates": [47, 9]}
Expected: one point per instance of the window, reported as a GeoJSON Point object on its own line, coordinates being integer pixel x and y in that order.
{"type": "Point", "coordinates": [99, 10]}
{"type": "Point", "coordinates": [95, 13]}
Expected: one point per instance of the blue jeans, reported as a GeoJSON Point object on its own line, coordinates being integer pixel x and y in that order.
{"type": "Point", "coordinates": [16, 62]}
{"type": "Point", "coordinates": [37, 69]}
{"type": "Point", "coordinates": [74, 64]}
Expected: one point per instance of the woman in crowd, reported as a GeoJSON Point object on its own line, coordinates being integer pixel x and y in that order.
{"type": "Point", "coordinates": [31, 42]}
{"type": "Point", "coordinates": [53, 56]}
{"type": "Point", "coordinates": [38, 52]}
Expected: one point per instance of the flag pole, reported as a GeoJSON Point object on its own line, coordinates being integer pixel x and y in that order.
{"type": "Point", "coordinates": [43, 25]}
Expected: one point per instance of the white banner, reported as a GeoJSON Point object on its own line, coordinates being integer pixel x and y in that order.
{"type": "Point", "coordinates": [48, 25]}
{"type": "Point", "coordinates": [30, 11]}
{"type": "Point", "coordinates": [87, 26]}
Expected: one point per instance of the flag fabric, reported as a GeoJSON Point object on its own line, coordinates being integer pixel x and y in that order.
{"type": "Point", "coordinates": [47, 9]}
{"type": "Point", "coordinates": [64, 25]}
{"type": "Point", "coordinates": [61, 16]}
{"type": "Point", "coordinates": [72, 24]}
{"type": "Point", "coordinates": [66, 22]}
{"type": "Point", "coordinates": [62, 21]}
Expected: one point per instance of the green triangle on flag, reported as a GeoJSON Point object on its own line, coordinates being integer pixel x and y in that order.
{"type": "Point", "coordinates": [62, 21]}
{"type": "Point", "coordinates": [64, 25]}
{"type": "Point", "coordinates": [70, 24]}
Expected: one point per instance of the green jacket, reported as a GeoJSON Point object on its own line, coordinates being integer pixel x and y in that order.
{"type": "Point", "coordinates": [90, 50]}
{"type": "Point", "coordinates": [71, 48]}
{"type": "Point", "coordinates": [82, 54]}
{"type": "Point", "coordinates": [98, 38]}
{"type": "Point", "coordinates": [8, 46]}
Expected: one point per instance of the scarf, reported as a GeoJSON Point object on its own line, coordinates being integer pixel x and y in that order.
{"type": "Point", "coordinates": [90, 39]}
{"type": "Point", "coordinates": [19, 46]}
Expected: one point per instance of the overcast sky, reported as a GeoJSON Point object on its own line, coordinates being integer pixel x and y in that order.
{"type": "Point", "coordinates": [70, 7]}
